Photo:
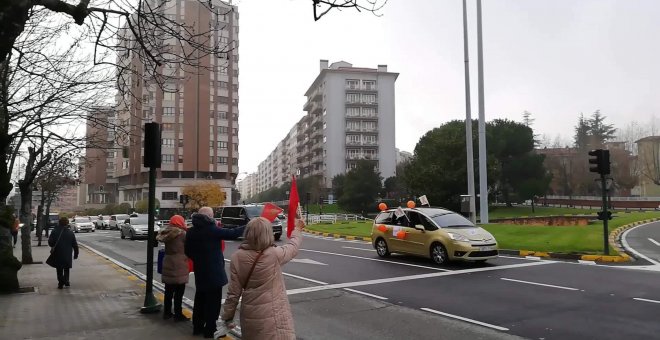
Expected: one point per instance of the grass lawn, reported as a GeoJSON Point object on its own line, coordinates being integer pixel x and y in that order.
{"type": "Point", "coordinates": [565, 239]}
{"type": "Point", "coordinates": [350, 228]}
{"type": "Point", "coordinates": [499, 212]}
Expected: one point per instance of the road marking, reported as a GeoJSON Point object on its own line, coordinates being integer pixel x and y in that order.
{"type": "Point", "coordinates": [533, 257]}
{"type": "Point", "coordinates": [655, 242]}
{"type": "Point", "coordinates": [646, 300]}
{"type": "Point", "coordinates": [365, 249]}
{"type": "Point", "coordinates": [139, 241]}
{"type": "Point", "coordinates": [499, 328]}
{"type": "Point", "coordinates": [591, 263]}
{"type": "Point", "coordinates": [308, 261]}
{"type": "Point", "coordinates": [538, 284]}
{"type": "Point", "coordinates": [627, 246]}
{"type": "Point", "coordinates": [365, 293]}
{"type": "Point", "coordinates": [304, 278]}
{"type": "Point", "coordinates": [377, 260]}
{"type": "Point", "coordinates": [410, 277]}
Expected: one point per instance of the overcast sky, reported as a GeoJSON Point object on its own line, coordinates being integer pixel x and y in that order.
{"type": "Point", "coordinates": [554, 58]}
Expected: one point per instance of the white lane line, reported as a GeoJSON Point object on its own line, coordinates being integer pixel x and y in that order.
{"type": "Point", "coordinates": [365, 249]}
{"type": "Point", "coordinates": [377, 260]}
{"type": "Point", "coordinates": [365, 293]}
{"type": "Point", "coordinates": [591, 263]}
{"type": "Point", "coordinates": [411, 277]}
{"type": "Point", "coordinates": [538, 284]}
{"type": "Point", "coordinates": [627, 246]}
{"type": "Point", "coordinates": [655, 242]}
{"type": "Point", "coordinates": [139, 241]}
{"type": "Point", "coordinates": [646, 300]}
{"type": "Point", "coordinates": [499, 328]}
{"type": "Point", "coordinates": [305, 279]}
{"type": "Point", "coordinates": [533, 257]}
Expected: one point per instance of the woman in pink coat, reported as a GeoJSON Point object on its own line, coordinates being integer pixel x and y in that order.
{"type": "Point", "coordinates": [265, 311]}
{"type": "Point", "coordinates": [175, 267]}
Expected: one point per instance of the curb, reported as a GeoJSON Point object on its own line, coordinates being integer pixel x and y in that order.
{"type": "Point", "coordinates": [157, 285]}
{"type": "Point", "coordinates": [566, 256]}
{"type": "Point", "coordinates": [347, 237]}
{"type": "Point", "coordinates": [616, 234]}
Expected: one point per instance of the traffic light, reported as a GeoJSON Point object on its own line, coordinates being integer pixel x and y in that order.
{"type": "Point", "coordinates": [600, 160]}
{"type": "Point", "coordinates": [183, 199]}
{"type": "Point", "coordinates": [602, 215]}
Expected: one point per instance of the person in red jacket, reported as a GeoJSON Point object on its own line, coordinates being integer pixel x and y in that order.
{"type": "Point", "coordinates": [14, 231]}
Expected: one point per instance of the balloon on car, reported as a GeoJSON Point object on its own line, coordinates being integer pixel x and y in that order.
{"type": "Point", "coordinates": [411, 204]}
{"type": "Point", "coordinates": [401, 235]}
{"type": "Point", "coordinates": [382, 206]}
{"type": "Point", "coordinates": [382, 228]}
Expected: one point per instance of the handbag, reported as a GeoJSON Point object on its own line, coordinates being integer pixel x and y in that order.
{"type": "Point", "coordinates": [51, 259]}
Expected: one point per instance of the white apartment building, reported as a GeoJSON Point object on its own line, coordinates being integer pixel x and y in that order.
{"type": "Point", "coordinates": [349, 117]}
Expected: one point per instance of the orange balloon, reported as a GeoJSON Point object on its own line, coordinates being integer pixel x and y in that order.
{"type": "Point", "coordinates": [382, 207]}
{"type": "Point", "coordinates": [382, 228]}
{"type": "Point", "coordinates": [401, 235]}
{"type": "Point", "coordinates": [411, 204]}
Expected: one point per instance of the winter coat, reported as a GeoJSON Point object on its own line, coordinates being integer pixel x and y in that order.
{"type": "Point", "coordinates": [65, 246]}
{"type": "Point", "coordinates": [265, 311]}
{"type": "Point", "coordinates": [202, 248]}
{"type": "Point", "coordinates": [175, 262]}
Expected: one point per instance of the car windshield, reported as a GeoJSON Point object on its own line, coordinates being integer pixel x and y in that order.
{"type": "Point", "coordinates": [138, 220]}
{"type": "Point", "coordinates": [452, 221]}
{"type": "Point", "coordinates": [82, 219]}
{"type": "Point", "coordinates": [254, 210]}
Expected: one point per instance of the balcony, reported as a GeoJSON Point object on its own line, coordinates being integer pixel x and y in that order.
{"type": "Point", "coordinates": [358, 88]}
{"type": "Point", "coordinates": [361, 143]}
{"type": "Point", "coordinates": [355, 156]}
{"type": "Point", "coordinates": [317, 159]}
{"type": "Point", "coordinates": [317, 146]}
{"type": "Point", "coordinates": [360, 129]}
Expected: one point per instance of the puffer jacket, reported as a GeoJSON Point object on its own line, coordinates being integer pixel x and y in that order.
{"type": "Point", "coordinates": [175, 263]}
{"type": "Point", "coordinates": [265, 311]}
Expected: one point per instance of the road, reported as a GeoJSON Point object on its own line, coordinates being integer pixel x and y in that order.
{"type": "Point", "coordinates": [341, 289]}
{"type": "Point", "coordinates": [644, 241]}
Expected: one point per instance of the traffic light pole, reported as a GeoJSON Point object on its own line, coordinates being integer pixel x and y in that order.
{"type": "Point", "coordinates": [606, 246]}
{"type": "Point", "coordinates": [152, 160]}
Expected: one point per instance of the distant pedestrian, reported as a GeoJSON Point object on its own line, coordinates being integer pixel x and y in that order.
{"type": "Point", "coordinates": [14, 231]}
{"type": "Point", "coordinates": [175, 267]}
{"type": "Point", "coordinates": [256, 274]}
{"type": "Point", "coordinates": [63, 242]}
{"type": "Point", "coordinates": [201, 246]}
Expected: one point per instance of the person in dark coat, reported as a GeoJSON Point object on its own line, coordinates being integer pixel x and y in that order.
{"type": "Point", "coordinates": [175, 267]}
{"type": "Point", "coordinates": [64, 243]}
{"type": "Point", "coordinates": [202, 248]}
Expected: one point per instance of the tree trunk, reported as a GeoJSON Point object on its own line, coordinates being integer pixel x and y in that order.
{"type": "Point", "coordinates": [532, 204]}
{"type": "Point", "coordinates": [40, 222]}
{"type": "Point", "coordinates": [26, 219]}
{"type": "Point", "coordinates": [9, 265]}
{"type": "Point", "coordinates": [49, 201]}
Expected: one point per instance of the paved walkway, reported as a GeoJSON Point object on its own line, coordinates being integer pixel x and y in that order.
{"type": "Point", "coordinates": [103, 302]}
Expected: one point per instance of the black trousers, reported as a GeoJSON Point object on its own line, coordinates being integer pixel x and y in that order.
{"type": "Point", "coordinates": [62, 275]}
{"type": "Point", "coordinates": [174, 292]}
{"type": "Point", "coordinates": [207, 309]}
{"type": "Point", "coordinates": [15, 236]}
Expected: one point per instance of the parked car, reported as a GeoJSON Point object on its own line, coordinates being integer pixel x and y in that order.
{"type": "Point", "coordinates": [116, 220]}
{"type": "Point", "coordinates": [82, 223]}
{"type": "Point", "coordinates": [103, 222]}
{"type": "Point", "coordinates": [53, 220]}
{"type": "Point", "coordinates": [439, 234]}
{"type": "Point", "coordinates": [136, 227]}
{"type": "Point", "coordinates": [239, 215]}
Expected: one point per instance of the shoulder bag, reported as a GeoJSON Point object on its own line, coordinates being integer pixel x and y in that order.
{"type": "Point", "coordinates": [51, 259]}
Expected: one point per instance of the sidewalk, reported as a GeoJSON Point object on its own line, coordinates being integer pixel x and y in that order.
{"type": "Point", "coordinates": [103, 302]}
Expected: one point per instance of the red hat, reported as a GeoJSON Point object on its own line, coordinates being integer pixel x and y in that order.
{"type": "Point", "coordinates": [178, 221]}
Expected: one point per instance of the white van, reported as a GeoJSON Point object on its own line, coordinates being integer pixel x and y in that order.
{"type": "Point", "coordinates": [116, 221]}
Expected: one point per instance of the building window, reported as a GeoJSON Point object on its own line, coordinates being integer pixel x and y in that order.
{"type": "Point", "coordinates": [124, 164]}
{"type": "Point", "coordinates": [235, 161]}
{"type": "Point", "coordinates": [369, 98]}
{"type": "Point", "coordinates": [235, 117]}
{"type": "Point", "coordinates": [369, 139]}
{"type": "Point", "coordinates": [369, 111]}
{"type": "Point", "coordinates": [170, 196]}
{"type": "Point", "coordinates": [180, 142]}
{"type": "Point", "coordinates": [222, 145]}
{"type": "Point", "coordinates": [353, 111]}
{"type": "Point", "coordinates": [369, 85]}
{"type": "Point", "coordinates": [168, 111]}
{"type": "Point", "coordinates": [352, 84]}
{"type": "Point", "coordinates": [168, 142]}
{"type": "Point", "coordinates": [222, 115]}
{"type": "Point", "coordinates": [168, 95]}
{"type": "Point", "coordinates": [235, 131]}
{"type": "Point", "coordinates": [168, 158]}
{"type": "Point", "coordinates": [353, 139]}
{"type": "Point", "coordinates": [223, 130]}
{"type": "Point", "coordinates": [324, 125]}
{"type": "Point", "coordinates": [222, 160]}
{"type": "Point", "coordinates": [222, 84]}
{"type": "Point", "coordinates": [352, 97]}
{"type": "Point", "coordinates": [235, 146]}
{"type": "Point", "coordinates": [180, 159]}
{"type": "Point", "coordinates": [168, 126]}
{"type": "Point", "coordinates": [223, 100]}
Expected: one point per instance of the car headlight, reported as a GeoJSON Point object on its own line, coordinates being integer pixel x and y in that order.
{"type": "Point", "coordinates": [458, 237]}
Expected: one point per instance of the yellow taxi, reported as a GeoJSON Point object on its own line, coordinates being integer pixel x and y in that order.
{"type": "Point", "coordinates": [436, 233]}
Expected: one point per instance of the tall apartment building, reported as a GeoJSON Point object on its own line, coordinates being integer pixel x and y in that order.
{"type": "Point", "coordinates": [349, 117]}
{"type": "Point", "coordinates": [197, 108]}
{"type": "Point", "coordinates": [99, 185]}
{"type": "Point", "coordinates": [247, 187]}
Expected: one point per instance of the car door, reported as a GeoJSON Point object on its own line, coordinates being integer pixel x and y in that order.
{"type": "Point", "coordinates": [415, 239]}
{"type": "Point", "coordinates": [396, 244]}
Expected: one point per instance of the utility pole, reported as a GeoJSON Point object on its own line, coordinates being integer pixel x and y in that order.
{"type": "Point", "coordinates": [468, 120]}
{"type": "Point", "coordinates": [601, 162]}
{"type": "Point", "coordinates": [483, 178]}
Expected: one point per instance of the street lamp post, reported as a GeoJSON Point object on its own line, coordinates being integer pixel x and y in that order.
{"type": "Point", "coordinates": [483, 178]}
{"type": "Point", "coordinates": [468, 120]}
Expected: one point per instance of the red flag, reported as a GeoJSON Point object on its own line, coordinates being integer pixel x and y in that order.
{"type": "Point", "coordinates": [271, 211]}
{"type": "Point", "coordinates": [294, 202]}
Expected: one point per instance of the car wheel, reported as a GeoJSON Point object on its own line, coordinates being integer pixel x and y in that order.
{"type": "Point", "coordinates": [439, 253]}
{"type": "Point", "coordinates": [381, 248]}
{"type": "Point", "coordinates": [121, 234]}
{"type": "Point", "coordinates": [93, 230]}
{"type": "Point", "coordinates": [277, 237]}
{"type": "Point", "coordinates": [75, 230]}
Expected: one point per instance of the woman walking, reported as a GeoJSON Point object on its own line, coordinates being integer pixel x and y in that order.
{"type": "Point", "coordinates": [175, 266]}
{"type": "Point", "coordinates": [63, 243]}
{"type": "Point", "coordinates": [256, 273]}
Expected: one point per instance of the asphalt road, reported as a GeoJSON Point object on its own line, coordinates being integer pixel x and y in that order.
{"type": "Point", "coordinates": [342, 290]}
{"type": "Point", "coordinates": [644, 241]}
